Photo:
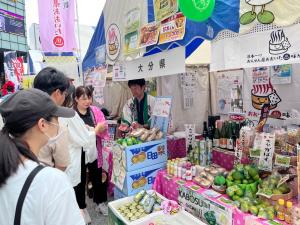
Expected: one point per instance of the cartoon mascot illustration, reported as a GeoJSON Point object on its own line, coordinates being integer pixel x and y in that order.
{"type": "Point", "coordinates": [264, 16]}
{"type": "Point", "coordinates": [264, 98]}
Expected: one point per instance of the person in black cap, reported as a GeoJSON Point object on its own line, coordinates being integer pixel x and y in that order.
{"type": "Point", "coordinates": [31, 194]}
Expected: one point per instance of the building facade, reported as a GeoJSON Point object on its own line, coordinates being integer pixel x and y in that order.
{"type": "Point", "coordinates": [13, 26]}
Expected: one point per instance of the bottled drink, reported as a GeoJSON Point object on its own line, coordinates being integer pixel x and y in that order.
{"type": "Point", "coordinates": [288, 213]}
{"type": "Point", "coordinates": [230, 137]}
{"type": "Point", "coordinates": [216, 139]}
{"type": "Point", "coordinates": [205, 130]}
{"type": "Point", "coordinates": [223, 140]}
{"type": "Point", "coordinates": [280, 210]}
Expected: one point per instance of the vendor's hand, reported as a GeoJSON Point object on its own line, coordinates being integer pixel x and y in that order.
{"type": "Point", "coordinates": [100, 128]}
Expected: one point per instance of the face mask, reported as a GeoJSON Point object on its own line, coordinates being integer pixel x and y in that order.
{"type": "Point", "coordinates": [52, 140]}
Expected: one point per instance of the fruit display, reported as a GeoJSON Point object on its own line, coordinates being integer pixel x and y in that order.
{"type": "Point", "coordinates": [242, 181]}
{"type": "Point", "coordinates": [126, 142]}
{"type": "Point", "coordinates": [139, 136]}
{"type": "Point", "coordinates": [257, 207]}
{"type": "Point", "coordinates": [272, 186]}
{"type": "Point", "coordinates": [143, 204]}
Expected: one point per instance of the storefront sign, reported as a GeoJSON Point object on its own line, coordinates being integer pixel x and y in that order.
{"type": "Point", "coordinates": [164, 9]}
{"type": "Point", "coordinates": [266, 155]}
{"type": "Point", "coordinates": [201, 207]}
{"type": "Point", "coordinates": [11, 23]}
{"type": "Point", "coordinates": [172, 29]}
{"type": "Point", "coordinates": [149, 35]}
{"type": "Point", "coordinates": [268, 48]}
{"type": "Point", "coordinates": [57, 20]}
{"type": "Point", "coordinates": [162, 64]}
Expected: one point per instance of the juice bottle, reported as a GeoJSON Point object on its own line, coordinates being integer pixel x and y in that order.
{"type": "Point", "coordinates": [280, 210]}
{"type": "Point", "coordinates": [288, 213]}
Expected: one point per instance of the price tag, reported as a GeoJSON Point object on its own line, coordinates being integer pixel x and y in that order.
{"type": "Point", "coordinates": [281, 160]}
{"type": "Point", "coordinates": [266, 155]}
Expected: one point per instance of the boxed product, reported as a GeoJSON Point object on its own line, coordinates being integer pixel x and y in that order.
{"type": "Point", "coordinates": [142, 155]}
{"type": "Point", "coordinates": [141, 179]}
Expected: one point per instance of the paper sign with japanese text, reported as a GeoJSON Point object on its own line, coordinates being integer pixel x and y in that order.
{"type": "Point", "coordinates": [162, 106]}
{"type": "Point", "coordinates": [282, 161]}
{"type": "Point", "coordinates": [119, 73]}
{"type": "Point", "coordinates": [266, 155]}
{"type": "Point", "coordinates": [149, 35]}
{"type": "Point", "coordinates": [172, 29]}
{"type": "Point", "coordinates": [190, 134]}
{"type": "Point", "coordinates": [164, 9]}
{"type": "Point", "coordinates": [161, 64]}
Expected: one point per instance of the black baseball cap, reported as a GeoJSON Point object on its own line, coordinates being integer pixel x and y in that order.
{"type": "Point", "coordinates": [31, 103]}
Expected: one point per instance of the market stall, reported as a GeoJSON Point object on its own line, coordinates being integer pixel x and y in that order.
{"type": "Point", "coordinates": [242, 168]}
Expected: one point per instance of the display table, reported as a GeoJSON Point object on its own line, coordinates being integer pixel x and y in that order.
{"type": "Point", "coordinates": [176, 189]}
{"type": "Point", "coordinates": [225, 158]}
{"type": "Point", "coordinates": [176, 147]}
{"type": "Point", "coordinates": [107, 167]}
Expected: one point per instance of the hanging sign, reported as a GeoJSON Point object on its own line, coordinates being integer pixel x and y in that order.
{"type": "Point", "coordinates": [172, 29]}
{"type": "Point", "coordinates": [161, 64]}
{"type": "Point", "coordinates": [149, 35]}
{"type": "Point", "coordinates": [268, 48]}
{"type": "Point", "coordinates": [164, 9]}
{"type": "Point", "coordinates": [266, 155]}
{"type": "Point", "coordinates": [197, 10]}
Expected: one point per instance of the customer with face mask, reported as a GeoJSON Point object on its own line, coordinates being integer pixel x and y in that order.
{"type": "Point", "coordinates": [31, 194]}
{"type": "Point", "coordinates": [78, 136]}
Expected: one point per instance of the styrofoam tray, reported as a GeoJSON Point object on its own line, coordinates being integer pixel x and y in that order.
{"type": "Point", "coordinates": [180, 218]}
{"type": "Point", "coordinates": [114, 205]}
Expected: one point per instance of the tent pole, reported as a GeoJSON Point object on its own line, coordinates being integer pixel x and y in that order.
{"type": "Point", "coordinates": [79, 44]}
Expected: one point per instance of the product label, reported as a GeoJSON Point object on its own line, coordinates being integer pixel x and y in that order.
{"type": "Point", "coordinates": [216, 142]}
{"type": "Point", "coordinates": [230, 144]}
{"type": "Point", "coordinates": [223, 143]}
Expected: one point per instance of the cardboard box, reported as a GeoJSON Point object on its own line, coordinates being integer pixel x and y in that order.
{"type": "Point", "coordinates": [141, 179]}
{"type": "Point", "coordinates": [118, 194]}
{"type": "Point", "coordinates": [143, 155]}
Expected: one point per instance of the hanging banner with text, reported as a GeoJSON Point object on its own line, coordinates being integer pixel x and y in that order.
{"type": "Point", "coordinates": [57, 20]}
{"type": "Point", "coordinates": [161, 64]}
{"type": "Point", "coordinates": [268, 48]}
{"type": "Point", "coordinates": [203, 208]}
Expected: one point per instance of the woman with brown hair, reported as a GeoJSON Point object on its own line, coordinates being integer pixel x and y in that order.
{"type": "Point", "coordinates": [91, 158]}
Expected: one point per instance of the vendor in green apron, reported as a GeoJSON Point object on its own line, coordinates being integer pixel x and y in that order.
{"type": "Point", "coordinates": [138, 110]}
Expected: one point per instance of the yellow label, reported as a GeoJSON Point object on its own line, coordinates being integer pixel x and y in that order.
{"type": "Point", "coordinates": [280, 215]}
